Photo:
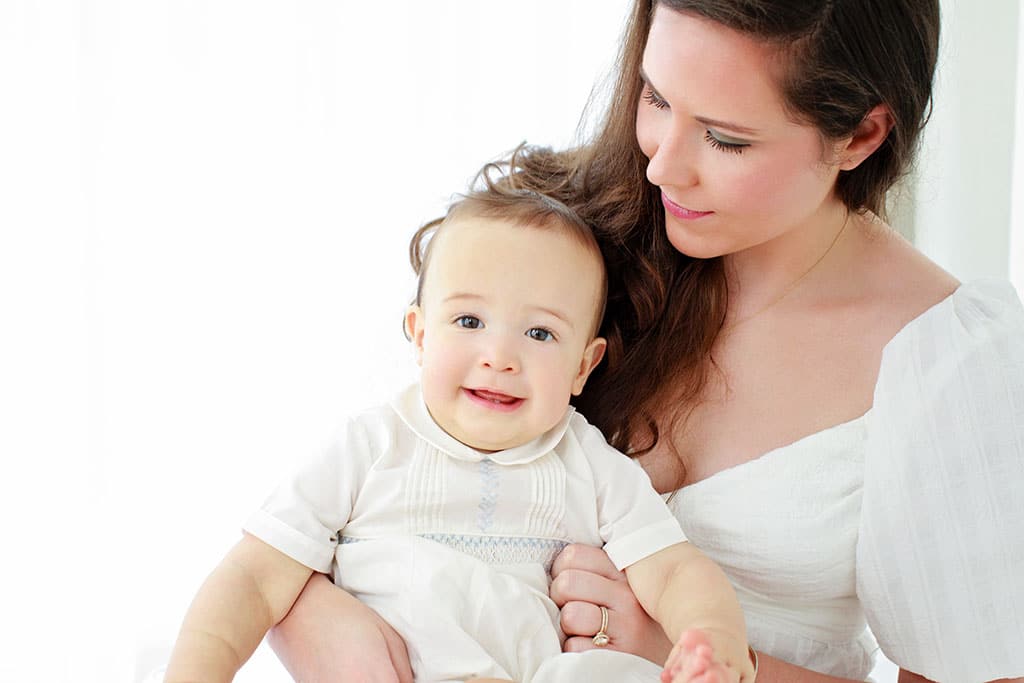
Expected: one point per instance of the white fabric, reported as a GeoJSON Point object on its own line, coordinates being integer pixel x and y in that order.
{"type": "Point", "coordinates": [453, 546]}
{"type": "Point", "coordinates": [909, 518]}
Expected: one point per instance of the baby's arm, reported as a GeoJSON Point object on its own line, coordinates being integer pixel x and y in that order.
{"type": "Point", "coordinates": [682, 589]}
{"type": "Point", "coordinates": [252, 589]}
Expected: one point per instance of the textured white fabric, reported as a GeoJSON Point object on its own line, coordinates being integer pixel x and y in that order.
{"type": "Point", "coordinates": [453, 546]}
{"type": "Point", "coordinates": [911, 515]}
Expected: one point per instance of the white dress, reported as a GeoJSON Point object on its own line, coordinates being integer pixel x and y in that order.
{"type": "Point", "coordinates": [453, 547]}
{"type": "Point", "coordinates": [909, 519]}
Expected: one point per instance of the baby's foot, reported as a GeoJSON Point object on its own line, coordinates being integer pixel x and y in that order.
{"type": "Point", "coordinates": [693, 661]}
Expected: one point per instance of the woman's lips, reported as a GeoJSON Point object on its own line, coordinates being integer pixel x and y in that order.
{"type": "Point", "coordinates": [682, 211]}
{"type": "Point", "coordinates": [493, 400]}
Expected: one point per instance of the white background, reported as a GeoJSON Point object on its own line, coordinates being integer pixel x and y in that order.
{"type": "Point", "coordinates": [204, 211]}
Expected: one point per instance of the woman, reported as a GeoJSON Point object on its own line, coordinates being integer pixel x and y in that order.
{"type": "Point", "coordinates": [842, 421]}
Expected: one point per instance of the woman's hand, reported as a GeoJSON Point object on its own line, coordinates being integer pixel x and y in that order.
{"type": "Point", "coordinates": [583, 580]}
{"type": "Point", "coordinates": [331, 636]}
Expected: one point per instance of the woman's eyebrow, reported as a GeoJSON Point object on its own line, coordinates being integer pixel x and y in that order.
{"type": "Point", "coordinates": [735, 127]}
{"type": "Point", "coordinates": [713, 123]}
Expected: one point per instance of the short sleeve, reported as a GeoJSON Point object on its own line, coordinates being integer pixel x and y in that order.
{"type": "Point", "coordinates": [303, 516]}
{"type": "Point", "coordinates": [634, 521]}
{"type": "Point", "coordinates": [940, 552]}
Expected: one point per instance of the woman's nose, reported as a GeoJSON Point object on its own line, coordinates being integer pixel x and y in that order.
{"type": "Point", "coordinates": [672, 164]}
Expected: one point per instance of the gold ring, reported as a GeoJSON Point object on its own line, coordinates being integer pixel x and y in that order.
{"type": "Point", "coordinates": [601, 638]}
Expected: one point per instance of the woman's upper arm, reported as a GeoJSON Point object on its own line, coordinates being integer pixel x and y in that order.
{"type": "Point", "coordinates": [940, 544]}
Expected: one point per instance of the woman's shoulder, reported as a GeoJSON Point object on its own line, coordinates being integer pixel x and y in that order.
{"type": "Point", "coordinates": [899, 283]}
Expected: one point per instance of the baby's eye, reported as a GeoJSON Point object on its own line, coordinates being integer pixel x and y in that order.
{"type": "Point", "coordinates": [469, 322]}
{"type": "Point", "coordinates": [540, 334]}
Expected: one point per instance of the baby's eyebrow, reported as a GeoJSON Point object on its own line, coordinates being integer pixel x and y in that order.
{"type": "Point", "coordinates": [557, 314]}
{"type": "Point", "coordinates": [461, 295]}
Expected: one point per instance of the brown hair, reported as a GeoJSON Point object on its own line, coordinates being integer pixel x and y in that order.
{"type": "Point", "coordinates": [496, 194]}
{"type": "Point", "coordinates": [665, 309]}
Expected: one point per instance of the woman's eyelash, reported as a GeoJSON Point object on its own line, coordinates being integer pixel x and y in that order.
{"type": "Point", "coordinates": [732, 147]}
{"type": "Point", "coordinates": [652, 98]}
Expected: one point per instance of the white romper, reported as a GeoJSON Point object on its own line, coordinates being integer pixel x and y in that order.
{"type": "Point", "coordinates": [453, 547]}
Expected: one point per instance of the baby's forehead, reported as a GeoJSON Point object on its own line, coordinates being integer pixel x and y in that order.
{"type": "Point", "coordinates": [468, 226]}
{"type": "Point", "coordinates": [469, 247]}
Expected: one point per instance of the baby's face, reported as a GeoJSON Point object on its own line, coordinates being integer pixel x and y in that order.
{"type": "Point", "coordinates": [505, 329]}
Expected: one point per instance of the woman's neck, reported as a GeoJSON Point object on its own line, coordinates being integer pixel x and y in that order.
{"type": "Point", "coordinates": [762, 276]}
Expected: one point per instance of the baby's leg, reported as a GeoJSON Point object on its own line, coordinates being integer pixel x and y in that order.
{"type": "Point", "coordinates": [692, 661]}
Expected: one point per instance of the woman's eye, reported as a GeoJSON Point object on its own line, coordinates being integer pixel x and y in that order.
{"type": "Point", "coordinates": [724, 143]}
{"type": "Point", "coordinates": [469, 322]}
{"type": "Point", "coordinates": [539, 334]}
{"type": "Point", "coordinates": [652, 98]}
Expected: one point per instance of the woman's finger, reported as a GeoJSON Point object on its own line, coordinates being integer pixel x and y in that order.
{"type": "Point", "coordinates": [586, 558]}
{"type": "Point", "coordinates": [584, 586]}
{"type": "Point", "coordinates": [582, 644]}
{"type": "Point", "coordinates": [582, 619]}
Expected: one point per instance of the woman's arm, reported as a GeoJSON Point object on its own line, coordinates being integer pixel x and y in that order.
{"type": "Point", "coordinates": [330, 636]}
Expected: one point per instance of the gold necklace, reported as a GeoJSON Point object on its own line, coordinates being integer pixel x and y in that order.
{"type": "Point", "coordinates": [795, 282]}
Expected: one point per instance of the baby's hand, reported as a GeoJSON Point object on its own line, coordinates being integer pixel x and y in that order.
{"type": "Point", "coordinates": [694, 660]}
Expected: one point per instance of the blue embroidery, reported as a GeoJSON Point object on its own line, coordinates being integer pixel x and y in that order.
{"type": "Point", "coordinates": [489, 480]}
{"type": "Point", "coordinates": [496, 550]}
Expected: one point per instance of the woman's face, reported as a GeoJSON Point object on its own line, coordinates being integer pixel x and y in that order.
{"type": "Point", "coordinates": [734, 170]}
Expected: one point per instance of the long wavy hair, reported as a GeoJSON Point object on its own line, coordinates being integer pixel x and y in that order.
{"type": "Point", "coordinates": [665, 309]}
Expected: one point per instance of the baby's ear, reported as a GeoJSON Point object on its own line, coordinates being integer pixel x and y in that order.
{"type": "Point", "coordinates": [592, 355]}
{"type": "Point", "coordinates": [414, 330]}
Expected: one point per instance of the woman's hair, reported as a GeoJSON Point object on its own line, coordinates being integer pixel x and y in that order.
{"type": "Point", "coordinates": [497, 195]}
{"type": "Point", "coordinates": [840, 59]}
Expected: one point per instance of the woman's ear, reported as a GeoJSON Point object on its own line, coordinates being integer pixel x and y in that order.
{"type": "Point", "coordinates": [414, 330]}
{"type": "Point", "coordinates": [592, 355]}
{"type": "Point", "coordinates": [869, 136]}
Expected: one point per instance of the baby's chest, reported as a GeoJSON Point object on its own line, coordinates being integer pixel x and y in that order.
{"type": "Point", "coordinates": [432, 493]}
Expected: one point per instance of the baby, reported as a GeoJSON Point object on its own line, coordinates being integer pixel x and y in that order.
{"type": "Point", "coordinates": [444, 509]}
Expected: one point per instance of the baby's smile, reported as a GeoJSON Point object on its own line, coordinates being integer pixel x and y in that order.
{"type": "Point", "coordinates": [493, 400]}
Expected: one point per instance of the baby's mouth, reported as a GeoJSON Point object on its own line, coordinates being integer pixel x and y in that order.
{"type": "Point", "coordinates": [494, 396]}
{"type": "Point", "coordinates": [494, 399]}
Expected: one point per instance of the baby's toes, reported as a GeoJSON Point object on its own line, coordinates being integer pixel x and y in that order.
{"type": "Point", "coordinates": [718, 673]}
{"type": "Point", "coordinates": [695, 664]}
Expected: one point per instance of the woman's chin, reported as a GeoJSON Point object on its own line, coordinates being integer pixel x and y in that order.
{"type": "Point", "coordinates": [692, 245]}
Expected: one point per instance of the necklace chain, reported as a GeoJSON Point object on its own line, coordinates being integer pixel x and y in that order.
{"type": "Point", "coordinates": [793, 285]}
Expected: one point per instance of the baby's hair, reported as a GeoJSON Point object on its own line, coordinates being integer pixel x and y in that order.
{"type": "Point", "coordinates": [496, 194]}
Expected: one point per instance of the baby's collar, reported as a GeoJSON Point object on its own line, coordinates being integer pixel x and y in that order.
{"type": "Point", "coordinates": [410, 407]}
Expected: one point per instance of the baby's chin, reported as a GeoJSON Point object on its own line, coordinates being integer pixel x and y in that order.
{"type": "Point", "coordinates": [486, 446]}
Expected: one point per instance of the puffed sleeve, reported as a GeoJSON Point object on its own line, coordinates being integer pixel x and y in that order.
{"type": "Point", "coordinates": [304, 514]}
{"type": "Point", "coordinates": [940, 552]}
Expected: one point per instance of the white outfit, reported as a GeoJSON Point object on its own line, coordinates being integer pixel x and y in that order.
{"type": "Point", "coordinates": [453, 547]}
{"type": "Point", "coordinates": [909, 518]}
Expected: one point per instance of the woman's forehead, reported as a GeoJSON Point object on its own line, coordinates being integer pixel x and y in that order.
{"type": "Point", "coordinates": [715, 71]}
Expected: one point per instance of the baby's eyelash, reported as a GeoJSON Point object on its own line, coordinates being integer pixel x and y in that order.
{"type": "Point", "coordinates": [732, 147]}
{"type": "Point", "coordinates": [541, 334]}
{"type": "Point", "coordinates": [652, 98]}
